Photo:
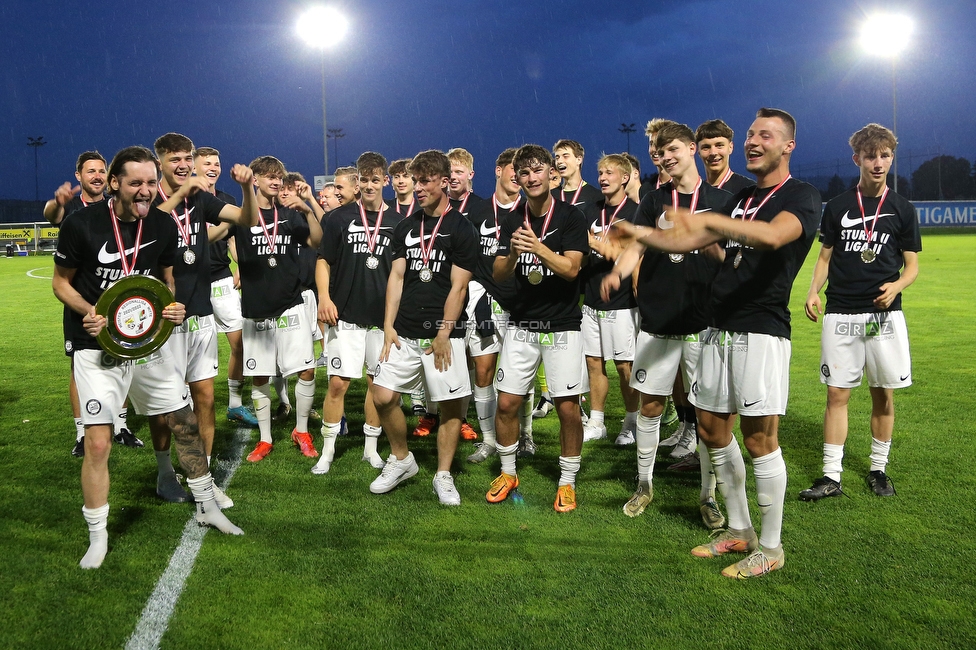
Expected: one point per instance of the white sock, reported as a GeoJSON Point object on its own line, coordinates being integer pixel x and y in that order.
{"type": "Point", "coordinates": [525, 414]}
{"type": "Point", "coordinates": [120, 422]}
{"type": "Point", "coordinates": [164, 463]}
{"type": "Point", "coordinates": [730, 475]}
{"type": "Point", "coordinates": [486, 403]}
{"type": "Point", "coordinates": [304, 396]}
{"type": "Point", "coordinates": [770, 494]}
{"type": "Point", "coordinates": [372, 435]}
{"type": "Point", "coordinates": [97, 519]}
{"type": "Point", "coordinates": [281, 387]}
{"type": "Point", "coordinates": [596, 418]}
{"type": "Point", "coordinates": [707, 473]}
{"type": "Point", "coordinates": [79, 429]}
{"type": "Point", "coordinates": [208, 513]}
{"type": "Point", "coordinates": [234, 393]}
{"type": "Point", "coordinates": [648, 435]}
{"type": "Point", "coordinates": [330, 431]}
{"type": "Point", "coordinates": [546, 395]}
{"type": "Point", "coordinates": [833, 457]}
{"type": "Point", "coordinates": [568, 467]}
{"type": "Point", "coordinates": [879, 455]}
{"type": "Point", "coordinates": [261, 399]}
{"type": "Point", "coordinates": [507, 456]}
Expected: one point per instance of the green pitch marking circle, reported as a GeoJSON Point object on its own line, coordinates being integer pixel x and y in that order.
{"type": "Point", "coordinates": [133, 309]}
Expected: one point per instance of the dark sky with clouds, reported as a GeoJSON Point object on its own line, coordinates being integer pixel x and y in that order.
{"type": "Point", "coordinates": [480, 75]}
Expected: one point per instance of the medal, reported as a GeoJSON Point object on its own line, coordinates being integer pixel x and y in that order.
{"type": "Point", "coordinates": [270, 238]}
{"type": "Point", "coordinates": [371, 237]}
{"type": "Point", "coordinates": [426, 275]}
{"type": "Point", "coordinates": [677, 258]}
{"type": "Point", "coordinates": [189, 257]}
{"type": "Point", "coordinates": [745, 212]}
{"type": "Point", "coordinates": [867, 254]}
{"type": "Point", "coordinates": [535, 277]}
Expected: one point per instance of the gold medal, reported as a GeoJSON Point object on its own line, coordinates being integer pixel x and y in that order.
{"type": "Point", "coordinates": [535, 277]}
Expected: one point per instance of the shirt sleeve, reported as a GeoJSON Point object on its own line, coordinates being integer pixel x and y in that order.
{"type": "Point", "coordinates": [910, 239]}
{"type": "Point", "coordinates": [828, 226]}
{"type": "Point", "coordinates": [331, 241]}
{"type": "Point", "coordinates": [465, 249]}
{"type": "Point", "coordinates": [211, 206]}
{"type": "Point", "coordinates": [71, 241]}
{"type": "Point", "coordinates": [805, 206]}
{"type": "Point", "coordinates": [647, 211]}
{"type": "Point", "coordinates": [575, 238]}
{"type": "Point", "coordinates": [399, 240]}
{"type": "Point", "coordinates": [507, 226]}
{"type": "Point", "coordinates": [169, 238]}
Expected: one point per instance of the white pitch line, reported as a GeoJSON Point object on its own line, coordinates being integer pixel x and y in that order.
{"type": "Point", "coordinates": [30, 273]}
{"type": "Point", "coordinates": [159, 608]}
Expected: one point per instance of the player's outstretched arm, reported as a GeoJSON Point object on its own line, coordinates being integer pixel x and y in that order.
{"type": "Point", "coordinates": [248, 213]}
{"type": "Point", "coordinates": [394, 291]}
{"type": "Point", "coordinates": [688, 232]}
{"type": "Point", "coordinates": [813, 306]}
{"type": "Point", "coordinates": [54, 209]}
{"type": "Point", "coordinates": [782, 230]}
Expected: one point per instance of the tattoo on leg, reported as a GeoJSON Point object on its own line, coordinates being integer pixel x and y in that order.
{"type": "Point", "coordinates": [189, 444]}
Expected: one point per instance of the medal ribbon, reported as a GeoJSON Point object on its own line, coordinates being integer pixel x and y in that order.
{"type": "Point", "coordinates": [426, 251]}
{"type": "Point", "coordinates": [694, 196]}
{"type": "Point", "coordinates": [745, 213]}
{"type": "Point", "coordinates": [413, 202]}
{"type": "Point", "coordinates": [464, 202]}
{"type": "Point", "coordinates": [545, 224]}
{"type": "Point", "coordinates": [371, 237]}
{"type": "Point", "coordinates": [860, 204]}
{"type": "Point", "coordinates": [495, 206]}
{"type": "Point", "coordinates": [127, 267]}
{"type": "Point", "coordinates": [562, 193]}
{"type": "Point", "coordinates": [725, 179]}
{"type": "Point", "coordinates": [183, 228]}
{"type": "Point", "coordinates": [604, 226]}
{"type": "Point", "coordinates": [271, 239]}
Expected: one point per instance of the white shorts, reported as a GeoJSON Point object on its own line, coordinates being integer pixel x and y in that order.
{"type": "Point", "coordinates": [151, 384]}
{"type": "Point", "coordinates": [502, 319]}
{"type": "Point", "coordinates": [742, 373]}
{"type": "Point", "coordinates": [312, 308]}
{"type": "Point", "coordinates": [852, 344]}
{"type": "Point", "coordinates": [660, 357]}
{"type": "Point", "coordinates": [478, 345]}
{"type": "Point", "coordinates": [409, 368]}
{"type": "Point", "coordinates": [280, 345]}
{"type": "Point", "coordinates": [194, 348]}
{"type": "Point", "coordinates": [561, 353]}
{"type": "Point", "coordinates": [226, 302]}
{"type": "Point", "coordinates": [352, 346]}
{"type": "Point", "coordinates": [609, 334]}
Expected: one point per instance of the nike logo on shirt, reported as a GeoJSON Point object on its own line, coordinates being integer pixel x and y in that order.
{"type": "Point", "coordinates": [410, 240]}
{"type": "Point", "coordinates": [354, 227]}
{"type": "Point", "coordinates": [104, 257]}
{"type": "Point", "coordinates": [847, 222]}
{"type": "Point", "coordinates": [486, 229]}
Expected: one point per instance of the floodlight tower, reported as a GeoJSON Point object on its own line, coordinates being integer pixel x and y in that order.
{"type": "Point", "coordinates": [322, 27]}
{"type": "Point", "coordinates": [887, 35]}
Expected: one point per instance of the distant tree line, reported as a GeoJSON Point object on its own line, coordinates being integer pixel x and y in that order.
{"type": "Point", "coordinates": [943, 178]}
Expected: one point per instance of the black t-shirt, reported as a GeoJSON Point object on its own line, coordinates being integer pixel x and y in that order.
{"type": "Point", "coordinates": [402, 209]}
{"type": "Point", "coordinates": [582, 196]}
{"type": "Point", "coordinates": [266, 292]}
{"type": "Point", "coordinates": [553, 304]}
{"type": "Point", "coordinates": [307, 257]}
{"type": "Point", "coordinates": [358, 291]}
{"type": "Point", "coordinates": [193, 280]}
{"type": "Point", "coordinates": [649, 185]}
{"type": "Point", "coordinates": [674, 291]}
{"type": "Point", "coordinates": [737, 183]}
{"type": "Point", "coordinates": [482, 217]}
{"type": "Point", "coordinates": [755, 297]}
{"type": "Point", "coordinates": [852, 284]}
{"type": "Point", "coordinates": [422, 303]}
{"type": "Point", "coordinates": [87, 244]}
{"type": "Point", "coordinates": [73, 205]}
{"type": "Point", "coordinates": [219, 257]}
{"type": "Point", "coordinates": [599, 215]}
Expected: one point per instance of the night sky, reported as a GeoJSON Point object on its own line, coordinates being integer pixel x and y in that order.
{"type": "Point", "coordinates": [481, 75]}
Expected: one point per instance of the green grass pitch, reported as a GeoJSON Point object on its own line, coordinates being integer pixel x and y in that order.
{"type": "Point", "coordinates": [326, 564]}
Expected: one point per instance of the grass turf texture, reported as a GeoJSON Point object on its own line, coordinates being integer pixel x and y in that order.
{"type": "Point", "coordinates": [324, 562]}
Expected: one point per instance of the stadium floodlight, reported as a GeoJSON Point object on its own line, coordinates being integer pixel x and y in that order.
{"type": "Point", "coordinates": [322, 27]}
{"type": "Point", "coordinates": [887, 35]}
